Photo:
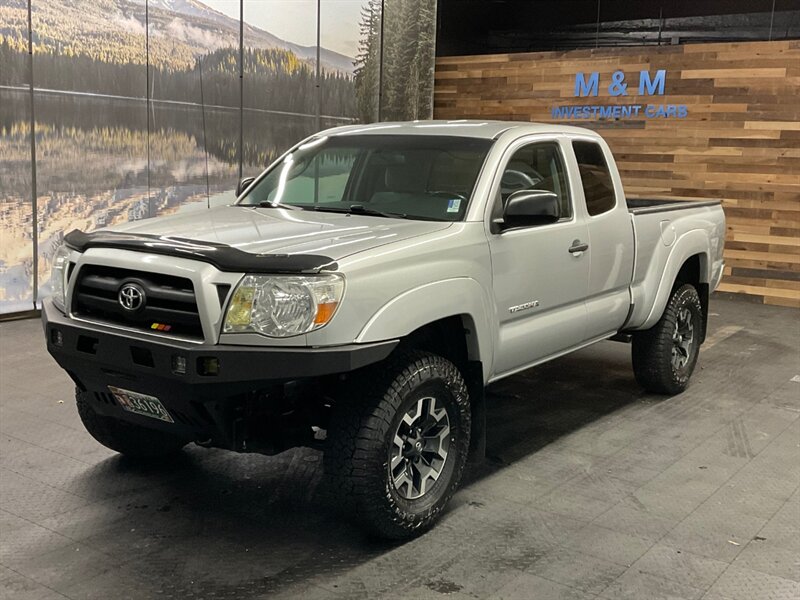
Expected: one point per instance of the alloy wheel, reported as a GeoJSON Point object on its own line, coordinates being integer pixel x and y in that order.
{"type": "Point", "coordinates": [419, 448]}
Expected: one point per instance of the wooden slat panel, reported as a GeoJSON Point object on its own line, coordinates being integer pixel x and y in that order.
{"type": "Point", "coordinates": [739, 142]}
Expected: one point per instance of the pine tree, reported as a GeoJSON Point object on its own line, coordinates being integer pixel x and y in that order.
{"type": "Point", "coordinates": [425, 58]}
{"type": "Point", "coordinates": [367, 62]}
{"type": "Point", "coordinates": [408, 50]}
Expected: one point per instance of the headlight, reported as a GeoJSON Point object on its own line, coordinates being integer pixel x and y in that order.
{"type": "Point", "coordinates": [283, 306]}
{"type": "Point", "coordinates": [58, 276]}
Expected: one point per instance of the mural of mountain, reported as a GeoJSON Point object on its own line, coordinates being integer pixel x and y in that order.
{"type": "Point", "coordinates": [100, 47]}
{"type": "Point", "coordinates": [180, 31]}
{"type": "Point", "coordinates": [255, 37]}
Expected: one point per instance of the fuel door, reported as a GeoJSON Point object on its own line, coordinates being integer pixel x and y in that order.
{"type": "Point", "coordinates": [667, 233]}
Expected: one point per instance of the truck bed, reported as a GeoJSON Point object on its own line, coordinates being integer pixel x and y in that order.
{"type": "Point", "coordinates": [658, 226]}
{"type": "Point", "coordinates": [639, 206]}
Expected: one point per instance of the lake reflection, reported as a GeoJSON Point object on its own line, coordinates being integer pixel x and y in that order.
{"type": "Point", "coordinates": [92, 168]}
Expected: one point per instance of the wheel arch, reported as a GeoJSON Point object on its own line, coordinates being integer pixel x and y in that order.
{"type": "Point", "coordinates": [691, 272]}
{"type": "Point", "coordinates": [687, 263]}
{"type": "Point", "coordinates": [448, 317]}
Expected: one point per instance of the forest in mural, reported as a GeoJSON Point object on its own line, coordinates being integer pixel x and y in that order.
{"type": "Point", "coordinates": [137, 105]}
{"type": "Point", "coordinates": [405, 77]}
{"type": "Point", "coordinates": [277, 79]}
{"type": "Point", "coordinates": [99, 47]}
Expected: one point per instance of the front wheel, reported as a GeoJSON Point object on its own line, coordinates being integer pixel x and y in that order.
{"type": "Point", "coordinates": [665, 355]}
{"type": "Point", "coordinates": [398, 443]}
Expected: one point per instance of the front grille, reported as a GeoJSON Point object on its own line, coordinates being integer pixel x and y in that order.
{"type": "Point", "coordinates": [169, 306]}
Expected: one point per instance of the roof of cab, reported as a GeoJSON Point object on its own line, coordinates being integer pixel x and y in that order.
{"type": "Point", "coordinates": [465, 127]}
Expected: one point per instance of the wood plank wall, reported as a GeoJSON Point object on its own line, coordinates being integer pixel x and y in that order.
{"type": "Point", "coordinates": [739, 142]}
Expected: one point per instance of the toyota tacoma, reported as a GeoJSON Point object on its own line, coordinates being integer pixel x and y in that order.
{"type": "Point", "coordinates": [365, 288]}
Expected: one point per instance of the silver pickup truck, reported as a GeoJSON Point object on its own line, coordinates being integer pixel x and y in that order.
{"type": "Point", "coordinates": [363, 291]}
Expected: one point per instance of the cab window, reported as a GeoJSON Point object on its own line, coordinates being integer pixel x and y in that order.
{"type": "Point", "coordinates": [537, 167]}
{"type": "Point", "coordinates": [598, 189]}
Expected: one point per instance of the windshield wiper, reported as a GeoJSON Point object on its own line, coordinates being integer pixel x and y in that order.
{"type": "Point", "coordinates": [359, 209]}
{"type": "Point", "coordinates": [268, 204]}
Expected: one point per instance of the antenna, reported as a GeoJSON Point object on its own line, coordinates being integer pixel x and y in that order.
{"type": "Point", "coordinates": [205, 146]}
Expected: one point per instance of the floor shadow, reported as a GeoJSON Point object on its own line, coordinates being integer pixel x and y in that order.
{"type": "Point", "coordinates": [244, 525]}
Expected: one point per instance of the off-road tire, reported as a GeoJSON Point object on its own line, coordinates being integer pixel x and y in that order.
{"type": "Point", "coordinates": [361, 433]}
{"type": "Point", "coordinates": [126, 438]}
{"type": "Point", "coordinates": [652, 349]}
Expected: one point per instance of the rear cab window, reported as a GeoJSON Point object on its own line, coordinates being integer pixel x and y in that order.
{"type": "Point", "coordinates": [598, 188]}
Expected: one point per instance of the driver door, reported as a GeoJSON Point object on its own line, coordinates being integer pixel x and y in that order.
{"type": "Point", "coordinates": [540, 281]}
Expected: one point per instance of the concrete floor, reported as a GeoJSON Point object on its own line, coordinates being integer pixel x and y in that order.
{"type": "Point", "coordinates": [592, 489]}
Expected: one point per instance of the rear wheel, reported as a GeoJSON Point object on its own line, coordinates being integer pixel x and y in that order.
{"type": "Point", "coordinates": [398, 443]}
{"type": "Point", "coordinates": [126, 438]}
{"type": "Point", "coordinates": [665, 355]}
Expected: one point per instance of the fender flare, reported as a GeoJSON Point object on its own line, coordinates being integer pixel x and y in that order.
{"type": "Point", "coordinates": [414, 308]}
{"type": "Point", "coordinates": [694, 242]}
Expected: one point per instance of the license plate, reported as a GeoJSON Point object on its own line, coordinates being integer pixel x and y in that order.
{"type": "Point", "coordinates": [141, 404]}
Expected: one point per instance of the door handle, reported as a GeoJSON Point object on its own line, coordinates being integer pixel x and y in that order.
{"type": "Point", "coordinates": [578, 246]}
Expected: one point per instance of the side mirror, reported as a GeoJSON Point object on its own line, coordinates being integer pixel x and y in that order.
{"type": "Point", "coordinates": [243, 185]}
{"type": "Point", "coordinates": [530, 207]}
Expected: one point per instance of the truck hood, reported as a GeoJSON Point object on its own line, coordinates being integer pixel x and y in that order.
{"type": "Point", "coordinates": [283, 231]}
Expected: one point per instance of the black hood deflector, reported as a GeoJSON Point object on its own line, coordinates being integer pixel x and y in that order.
{"type": "Point", "coordinates": [223, 257]}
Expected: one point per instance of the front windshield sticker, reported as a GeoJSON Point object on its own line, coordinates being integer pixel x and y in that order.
{"type": "Point", "coordinates": [454, 205]}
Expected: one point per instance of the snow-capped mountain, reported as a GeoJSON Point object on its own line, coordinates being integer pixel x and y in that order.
{"type": "Point", "coordinates": [195, 13]}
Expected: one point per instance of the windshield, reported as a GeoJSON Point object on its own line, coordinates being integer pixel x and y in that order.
{"type": "Point", "coordinates": [410, 176]}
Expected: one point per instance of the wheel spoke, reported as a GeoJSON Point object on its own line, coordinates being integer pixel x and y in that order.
{"type": "Point", "coordinates": [682, 338]}
{"type": "Point", "coordinates": [418, 486]}
{"type": "Point", "coordinates": [403, 482]}
{"type": "Point", "coordinates": [437, 443]}
{"type": "Point", "coordinates": [412, 415]}
{"type": "Point", "coordinates": [398, 460]}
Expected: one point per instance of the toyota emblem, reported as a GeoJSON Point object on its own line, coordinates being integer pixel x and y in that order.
{"type": "Point", "coordinates": [131, 297]}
